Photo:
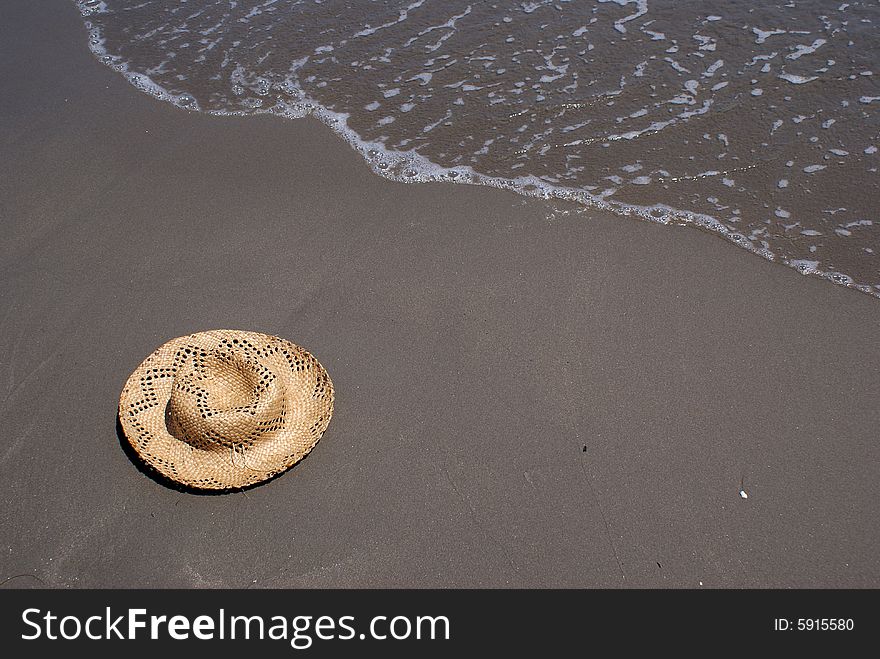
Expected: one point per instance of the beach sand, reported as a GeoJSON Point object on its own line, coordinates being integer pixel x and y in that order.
{"type": "Point", "coordinates": [527, 395]}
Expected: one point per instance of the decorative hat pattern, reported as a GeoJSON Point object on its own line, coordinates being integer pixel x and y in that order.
{"type": "Point", "coordinates": [225, 409]}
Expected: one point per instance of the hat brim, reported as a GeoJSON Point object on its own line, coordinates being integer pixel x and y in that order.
{"type": "Point", "coordinates": [307, 388]}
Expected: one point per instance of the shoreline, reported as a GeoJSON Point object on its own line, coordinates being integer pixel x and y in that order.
{"type": "Point", "coordinates": [391, 164]}
{"type": "Point", "coordinates": [526, 397]}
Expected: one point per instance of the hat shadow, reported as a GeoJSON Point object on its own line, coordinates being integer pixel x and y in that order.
{"type": "Point", "coordinates": [150, 472]}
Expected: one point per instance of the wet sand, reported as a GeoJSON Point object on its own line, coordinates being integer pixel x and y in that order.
{"type": "Point", "coordinates": [526, 395]}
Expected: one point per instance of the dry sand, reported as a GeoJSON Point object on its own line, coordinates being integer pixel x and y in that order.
{"type": "Point", "coordinates": [525, 396]}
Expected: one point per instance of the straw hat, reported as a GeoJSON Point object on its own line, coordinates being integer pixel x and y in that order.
{"type": "Point", "coordinates": [225, 409]}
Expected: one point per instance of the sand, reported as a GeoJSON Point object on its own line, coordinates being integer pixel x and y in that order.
{"type": "Point", "coordinates": [526, 395]}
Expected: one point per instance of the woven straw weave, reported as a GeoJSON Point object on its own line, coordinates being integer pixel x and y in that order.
{"type": "Point", "coordinates": [225, 409]}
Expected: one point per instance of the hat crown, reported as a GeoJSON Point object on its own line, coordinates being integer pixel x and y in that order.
{"type": "Point", "coordinates": [224, 399]}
